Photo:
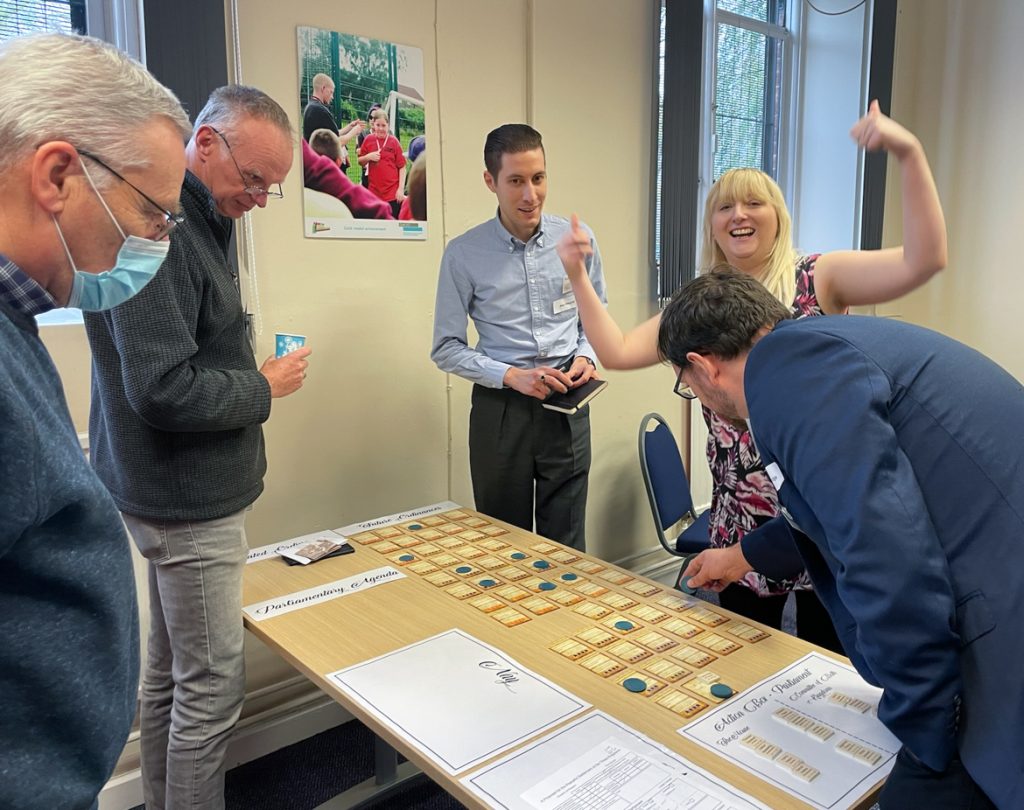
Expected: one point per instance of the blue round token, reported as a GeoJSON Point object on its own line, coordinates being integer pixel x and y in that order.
{"type": "Point", "coordinates": [463, 569]}
{"type": "Point", "coordinates": [635, 684]}
{"type": "Point", "coordinates": [487, 583]}
{"type": "Point", "coordinates": [415, 526]}
{"type": "Point", "coordinates": [720, 690]}
{"type": "Point", "coordinates": [541, 564]}
{"type": "Point", "coordinates": [569, 577]}
{"type": "Point", "coordinates": [624, 625]}
{"type": "Point", "coordinates": [518, 555]}
{"type": "Point", "coordinates": [407, 558]}
{"type": "Point", "coordinates": [684, 582]}
{"type": "Point", "coordinates": [547, 586]}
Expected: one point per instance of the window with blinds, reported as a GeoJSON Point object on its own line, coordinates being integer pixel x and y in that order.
{"type": "Point", "coordinates": [28, 16]}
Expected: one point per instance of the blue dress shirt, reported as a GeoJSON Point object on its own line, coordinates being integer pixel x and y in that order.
{"type": "Point", "coordinates": [518, 297]}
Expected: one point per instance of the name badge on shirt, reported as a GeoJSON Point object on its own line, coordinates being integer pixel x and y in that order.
{"type": "Point", "coordinates": [774, 473]}
{"type": "Point", "coordinates": [566, 285]}
{"type": "Point", "coordinates": [566, 302]}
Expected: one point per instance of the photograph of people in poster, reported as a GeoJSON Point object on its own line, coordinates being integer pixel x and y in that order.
{"type": "Point", "coordinates": [364, 155]}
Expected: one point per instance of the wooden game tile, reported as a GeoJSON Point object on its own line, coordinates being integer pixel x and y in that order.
{"type": "Point", "coordinates": [544, 548]}
{"type": "Point", "coordinates": [397, 558]}
{"type": "Point", "coordinates": [848, 702]}
{"type": "Point", "coordinates": [539, 606]}
{"type": "Point", "coordinates": [571, 648]}
{"type": "Point", "coordinates": [653, 686]}
{"type": "Point", "coordinates": [565, 598]}
{"type": "Point", "coordinates": [869, 756]}
{"type": "Point", "coordinates": [441, 579]}
{"type": "Point", "coordinates": [366, 537]}
{"type": "Point", "coordinates": [681, 703]}
{"type": "Point", "coordinates": [475, 522]}
{"type": "Point", "coordinates": [493, 545]}
{"type": "Point", "coordinates": [512, 593]}
{"type": "Point", "coordinates": [616, 618]}
{"type": "Point", "coordinates": [701, 684]}
{"type": "Point", "coordinates": [563, 556]}
{"type": "Point", "coordinates": [510, 617]}
{"type": "Point", "coordinates": [808, 773]}
{"type": "Point", "coordinates": [589, 567]}
{"type": "Point", "coordinates": [451, 543]}
{"type": "Point", "coordinates": [760, 746]}
{"type": "Point", "coordinates": [494, 531]}
{"type": "Point", "coordinates": [422, 567]}
{"type": "Point", "coordinates": [681, 628]}
{"type": "Point", "coordinates": [641, 588]}
{"type": "Point", "coordinates": [507, 554]}
{"type": "Point", "coordinates": [432, 520]}
{"type": "Point", "coordinates": [628, 651]}
{"type": "Point", "coordinates": [592, 610]}
{"type": "Point", "coordinates": [602, 664]}
{"type": "Point", "coordinates": [469, 552]}
{"type": "Point", "coordinates": [649, 614]}
{"type": "Point", "coordinates": [429, 534]}
{"type": "Point", "coordinates": [489, 562]}
{"type": "Point", "coordinates": [673, 602]}
{"type": "Point", "coordinates": [511, 573]}
{"type": "Point", "coordinates": [407, 540]}
{"type": "Point", "coordinates": [616, 577]}
{"type": "Point", "coordinates": [385, 547]}
{"type": "Point", "coordinates": [471, 535]}
{"type": "Point", "coordinates": [656, 641]}
{"type": "Point", "coordinates": [705, 616]}
{"type": "Point", "coordinates": [426, 549]}
{"type": "Point", "coordinates": [454, 514]}
{"type": "Point", "coordinates": [591, 589]}
{"type": "Point", "coordinates": [472, 572]}
{"type": "Point", "coordinates": [595, 637]}
{"type": "Point", "coordinates": [532, 583]}
{"type": "Point", "coordinates": [666, 670]}
{"type": "Point", "coordinates": [486, 603]}
{"type": "Point", "coordinates": [445, 559]}
{"type": "Point", "coordinates": [450, 528]}
{"type": "Point", "coordinates": [717, 643]}
{"type": "Point", "coordinates": [408, 526]}
{"type": "Point", "coordinates": [462, 591]}
{"type": "Point", "coordinates": [692, 656]}
{"type": "Point", "coordinates": [618, 601]}
{"type": "Point", "coordinates": [788, 760]}
{"type": "Point", "coordinates": [747, 632]}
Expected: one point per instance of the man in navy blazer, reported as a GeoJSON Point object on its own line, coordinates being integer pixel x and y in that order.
{"type": "Point", "coordinates": [898, 455]}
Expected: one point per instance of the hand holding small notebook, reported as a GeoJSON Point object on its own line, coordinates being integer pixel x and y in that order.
{"type": "Point", "coordinates": [575, 398]}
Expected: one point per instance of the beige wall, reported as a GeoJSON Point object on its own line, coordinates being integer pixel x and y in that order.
{"type": "Point", "coordinates": [957, 84]}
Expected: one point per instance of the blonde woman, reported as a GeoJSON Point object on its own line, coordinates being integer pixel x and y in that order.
{"type": "Point", "coordinates": [747, 225]}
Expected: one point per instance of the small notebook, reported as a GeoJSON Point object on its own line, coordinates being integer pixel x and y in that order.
{"type": "Point", "coordinates": [575, 398]}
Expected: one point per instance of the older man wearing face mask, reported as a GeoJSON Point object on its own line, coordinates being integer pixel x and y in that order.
{"type": "Point", "coordinates": [89, 186]}
{"type": "Point", "coordinates": [175, 434]}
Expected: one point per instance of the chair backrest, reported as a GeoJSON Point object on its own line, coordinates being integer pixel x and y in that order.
{"type": "Point", "coordinates": [668, 489]}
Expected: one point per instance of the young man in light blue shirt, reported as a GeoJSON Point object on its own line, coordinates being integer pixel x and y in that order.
{"type": "Point", "coordinates": [527, 463]}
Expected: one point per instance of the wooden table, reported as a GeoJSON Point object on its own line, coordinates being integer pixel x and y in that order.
{"type": "Point", "coordinates": [335, 634]}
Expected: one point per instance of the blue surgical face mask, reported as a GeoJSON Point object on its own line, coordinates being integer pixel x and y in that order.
{"type": "Point", "coordinates": [137, 263]}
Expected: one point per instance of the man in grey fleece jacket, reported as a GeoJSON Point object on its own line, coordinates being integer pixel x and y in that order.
{"type": "Point", "coordinates": [175, 431]}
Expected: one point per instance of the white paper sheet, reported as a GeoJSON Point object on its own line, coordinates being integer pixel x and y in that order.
{"type": "Point", "coordinates": [819, 711]}
{"type": "Point", "coordinates": [398, 517]}
{"type": "Point", "coordinates": [288, 602]}
{"type": "Point", "coordinates": [458, 700]}
{"type": "Point", "coordinates": [597, 763]}
{"type": "Point", "coordinates": [277, 549]}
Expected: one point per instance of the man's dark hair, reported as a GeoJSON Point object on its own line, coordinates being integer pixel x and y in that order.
{"type": "Point", "coordinates": [509, 139]}
{"type": "Point", "coordinates": [718, 314]}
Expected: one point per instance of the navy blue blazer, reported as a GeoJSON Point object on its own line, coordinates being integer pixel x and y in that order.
{"type": "Point", "coordinates": [899, 454]}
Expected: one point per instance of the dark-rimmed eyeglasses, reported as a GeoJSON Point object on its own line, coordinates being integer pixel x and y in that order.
{"type": "Point", "coordinates": [253, 191]}
{"type": "Point", "coordinates": [682, 389]}
{"type": "Point", "coordinates": [170, 219]}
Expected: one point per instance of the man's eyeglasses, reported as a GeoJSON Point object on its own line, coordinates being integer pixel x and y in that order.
{"type": "Point", "coordinates": [252, 190]}
{"type": "Point", "coordinates": [682, 389]}
{"type": "Point", "coordinates": [170, 220]}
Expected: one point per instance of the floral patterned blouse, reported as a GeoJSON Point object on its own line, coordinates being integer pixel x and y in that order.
{"type": "Point", "coordinates": [742, 496]}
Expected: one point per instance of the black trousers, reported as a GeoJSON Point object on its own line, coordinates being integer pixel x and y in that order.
{"type": "Point", "coordinates": [813, 623]}
{"type": "Point", "coordinates": [913, 784]}
{"type": "Point", "coordinates": [528, 463]}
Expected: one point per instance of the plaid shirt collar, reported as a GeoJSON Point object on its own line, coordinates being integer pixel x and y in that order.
{"type": "Point", "coordinates": [21, 292]}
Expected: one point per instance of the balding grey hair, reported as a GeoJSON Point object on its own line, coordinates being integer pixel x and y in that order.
{"type": "Point", "coordinates": [229, 105]}
{"type": "Point", "coordinates": [64, 87]}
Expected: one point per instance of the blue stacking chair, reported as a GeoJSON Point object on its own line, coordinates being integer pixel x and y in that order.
{"type": "Point", "coordinates": [668, 490]}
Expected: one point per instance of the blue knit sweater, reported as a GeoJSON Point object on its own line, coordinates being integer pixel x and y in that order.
{"type": "Point", "coordinates": [69, 633]}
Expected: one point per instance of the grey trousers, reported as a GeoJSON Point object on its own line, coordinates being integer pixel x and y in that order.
{"type": "Point", "coordinates": [194, 681]}
{"type": "Point", "coordinates": [528, 463]}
